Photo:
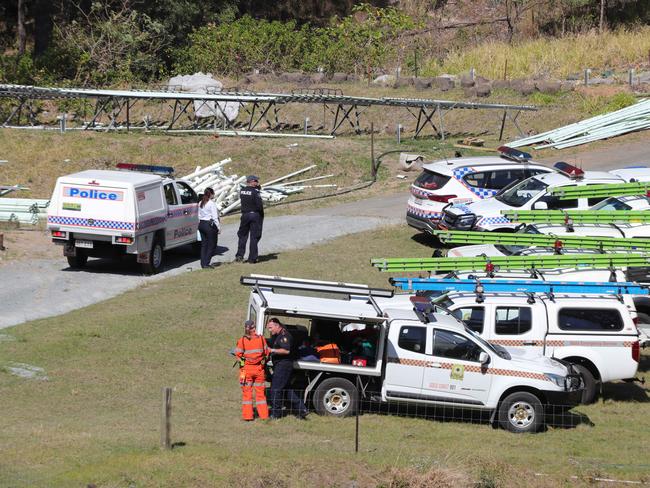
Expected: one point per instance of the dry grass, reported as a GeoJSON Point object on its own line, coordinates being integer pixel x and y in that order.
{"type": "Point", "coordinates": [548, 57]}
{"type": "Point", "coordinates": [96, 419]}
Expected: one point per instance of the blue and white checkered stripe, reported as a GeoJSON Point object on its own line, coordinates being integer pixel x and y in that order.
{"type": "Point", "coordinates": [92, 223]}
{"type": "Point", "coordinates": [423, 214]}
{"type": "Point", "coordinates": [479, 192]}
{"type": "Point", "coordinates": [493, 220]}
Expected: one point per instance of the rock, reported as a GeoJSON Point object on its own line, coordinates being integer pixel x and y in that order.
{"type": "Point", "coordinates": [481, 80]}
{"type": "Point", "coordinates": [317, 77]}
{"type": "Point", "coordinates": [293, 77]}
{"type": "Point", "coordinates": [466, 82]}
{"type": "Point", "coordinates": [524, 87]}
{"type": "Point", "coordinates": [384, 80]}
{"type": "Point", "coordinates": [601, 81]}
{"type": "Point", "coordinates": [339, 77]}
{"type": "Point", "coordinates": [444, 83]}
{"type": "Point", "coordinates": [500, 84]}
{"type": "Point", "coordinates": [352, 77]}
{"type": "Point", "coordinates": [422, 83]}
{"type": "Point", "coordinates": [402, 82]}
{"type": "Point", "coordinates": [642, 77]}
{"type": "Point", "coordinates": [483, 90]}
{"type": "Point", "coordinates": [548, 86]}
{"type": "Point", "coordinates": [575, 76]}
{"type": "Point", "coordinates": [568, 85]}
{"type": "Point", "coordinates": [469, 92]}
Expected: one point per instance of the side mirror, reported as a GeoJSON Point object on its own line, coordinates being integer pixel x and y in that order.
{"type": "Point", "coordinates": [540, 206]}
{"type": "Point", "coordinates": [484, 358]}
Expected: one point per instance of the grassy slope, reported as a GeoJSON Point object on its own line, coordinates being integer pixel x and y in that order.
{"type": "Point", "coordinates": [96, 420]}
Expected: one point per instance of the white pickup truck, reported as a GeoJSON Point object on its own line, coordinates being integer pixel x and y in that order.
{"type": "Point", "coordinates": [414, 355]}
{"type": "Point", "coordinates": [597, 334]}
{"type": "Point", "coordinates": [101, 213]}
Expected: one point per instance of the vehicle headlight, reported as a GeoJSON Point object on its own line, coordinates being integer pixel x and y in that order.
{"type": "Point", "coordinates": [558, 379]}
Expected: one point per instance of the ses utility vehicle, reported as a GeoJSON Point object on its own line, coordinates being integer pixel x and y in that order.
{"type": "Point", "coordinates": [589, 325]}
{"type": "Point", "coordinates": [465, 180]}
{"type": "Point", "coordinates": [534, 193]}
{"type": "Point", "coordinates": [100, 213]}
{"type": "Point", "coordinates": [414, 355]}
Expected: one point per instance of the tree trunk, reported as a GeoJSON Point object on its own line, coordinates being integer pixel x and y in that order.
{"type": "Point", "coordinates": [602, 16]}
{"type": "Point", "coordinates": [43, 25]}
{"type": "Point", "coordinates": [22, 36]}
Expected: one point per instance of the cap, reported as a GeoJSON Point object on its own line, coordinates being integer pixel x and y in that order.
{"type": "Point", "coordinates": [252, 178]}
{"type": "Point", "coordinates": [249, 324]}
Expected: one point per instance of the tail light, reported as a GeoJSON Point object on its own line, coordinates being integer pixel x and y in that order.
{"type": "Point", "coordinates": [636, 351]}
{"type": "Point", "coordinates": [441, 198]}
{"type": "Point", "coordinates": [59, 233]}
{"type": "Point", "coordinates": [124, 240]}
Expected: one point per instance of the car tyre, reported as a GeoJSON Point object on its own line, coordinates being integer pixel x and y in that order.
{"type": "Point", "coordinates": [336, 397]}
{"type": "Point", "coordinates": [78, 261]}
{"type": "Point", "coordinates": [155, 263]}
{"type": "Point", "coordinates": [590, 392]}
{"type": "Point", "coordinates": [521, 412]}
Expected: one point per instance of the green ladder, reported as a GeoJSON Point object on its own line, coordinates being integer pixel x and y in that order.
{"type": "Point", "coordinates": [570, 192]}
{"type": "Point", "coordinates": [579, 216]}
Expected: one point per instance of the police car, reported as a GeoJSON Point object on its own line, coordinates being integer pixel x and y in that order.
{"type": "Point", "coordinates": [464, 180]}
{"type": "Point", "coordinates": [532, 194]}
{"type": "Point", "coordinates": [102, 213]}
{"type": "Point", "coordinates": [420, 357]}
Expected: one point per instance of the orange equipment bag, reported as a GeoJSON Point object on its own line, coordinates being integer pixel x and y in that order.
{"type": "Point", "coordinates": [329, 353]}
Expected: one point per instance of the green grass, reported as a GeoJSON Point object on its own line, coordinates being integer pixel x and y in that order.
{"type": "Point", "coordinates": [551, 57]}
{"type": "Point", "coordinates": [96, 419]}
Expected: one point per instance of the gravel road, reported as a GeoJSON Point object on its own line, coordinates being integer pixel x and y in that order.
{"type": "Point", "coordinates": [44, 288]}
{"type": "Point", "coordinates": [47, 287]}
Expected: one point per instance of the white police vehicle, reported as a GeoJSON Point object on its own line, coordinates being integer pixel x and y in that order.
{"type": "Point", "coordinates": [465, 180]}
{"type": "Point", "coordinates": [101, 213]}
{"type": "Point", "coordinates": [418, 357]}
{"type": "Point", "coordinates": [533, 194]}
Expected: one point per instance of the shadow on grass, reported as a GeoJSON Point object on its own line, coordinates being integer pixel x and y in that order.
{"type": "Point", "coordinates": [268, 257]}
{"type": "Point", "coordinates": [426, 239]}
{"type": "Point", "coordinates": [625, 392]}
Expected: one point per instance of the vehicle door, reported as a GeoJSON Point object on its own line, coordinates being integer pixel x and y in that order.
{"type": "Point", "coordinates": [405, 360]}
{"type": "Point", "coordinates": [189, 209]}
{"type": "Point", "coordinates": [517, 325]}
{"type": "Point", "coordinates": [174, 215]}
{"type": "Point", "coordinates": [454, 373]}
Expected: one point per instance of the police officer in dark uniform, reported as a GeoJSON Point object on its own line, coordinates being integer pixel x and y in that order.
{"type": "Point", "coordinates": [252, 216]}
{"type": "Point", "coordinates": [282, 355]}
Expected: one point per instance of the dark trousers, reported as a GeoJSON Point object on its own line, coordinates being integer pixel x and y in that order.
{"type": "Point", "coordinates": [280, 391]}
{"type": "Point", "coordinates": [209, 237]}
{"type": "Point", "coordinates": [250, 223]}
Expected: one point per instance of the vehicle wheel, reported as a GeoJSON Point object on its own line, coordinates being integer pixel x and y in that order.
{"type": "Point", "coordinates": [590, 392]}
{"type": "Point", "coordinates": [336, 397]}
{"type": "Point", "coordinates": [521, 412]}
{"type": "Point", "coordinates": [78, 261]}
{"type": "Point", "coordinates": [155, 263]}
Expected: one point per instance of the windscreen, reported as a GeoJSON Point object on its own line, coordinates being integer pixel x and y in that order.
{"type": "Point", "coordinates": [511, 249]}
{"type": "Point", "coordinates": [522, 193]}
{"type": "Point", "coordinates": [611, 204]}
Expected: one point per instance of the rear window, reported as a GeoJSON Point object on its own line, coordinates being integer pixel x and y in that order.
{"type": "Point", "coordinates": [472, 317]}
{"type": "Point", "coordinates": [431, 181]}
{"type": "Point", "coordinates": [583, 319]}
{"type": "Point", "coordinates": [513, 320]}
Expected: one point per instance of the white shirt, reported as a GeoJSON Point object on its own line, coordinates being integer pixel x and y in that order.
{"type": "Point", "coordinates": [210, 212]}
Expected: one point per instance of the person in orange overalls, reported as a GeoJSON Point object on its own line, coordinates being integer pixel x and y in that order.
{"type": "Point", "coordinates": [252, 352]}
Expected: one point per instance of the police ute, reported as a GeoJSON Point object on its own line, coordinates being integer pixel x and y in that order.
{"type": "Point", "coordinates": [140, 211]}
{"type": "Point", "coordinates": [379, 347]}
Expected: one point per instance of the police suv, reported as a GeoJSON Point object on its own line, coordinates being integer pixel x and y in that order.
{"type": "Point", "coordinates": [465, 180]}
{"type": "Point", "coordinates": [417, 356]}
{"type": "Point", "coordinates": [101, 213]}
{"type": "Point", "coordinates": [533, 194]}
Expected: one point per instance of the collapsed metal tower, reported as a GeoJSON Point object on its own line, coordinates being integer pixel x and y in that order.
{"type": "Point", "coordinates": [113, 109]}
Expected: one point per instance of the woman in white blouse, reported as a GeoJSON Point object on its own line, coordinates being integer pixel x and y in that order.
{"type": "Point", "coordinates": [209, 227]}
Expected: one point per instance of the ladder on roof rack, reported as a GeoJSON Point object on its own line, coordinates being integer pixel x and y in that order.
{"type": "Point", "coordinates": [481, 263]}
{"type": "Point", "coordinates": [265, 281]}
{"type": "Point", "coordinates": [519, 286]}
{"type": "Point", "coordinates": [603, 190]}
{"type": "Point", "coordinates": [542, 240]}
{"type": "Point", "coordinates": [579, 216]}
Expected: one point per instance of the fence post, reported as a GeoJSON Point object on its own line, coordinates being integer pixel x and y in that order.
{"type": "Point", "coordinates": [373, 167]}
{"type": "Point", "coordinates": [356, 428]}
{"type": "Point", "coordinates": [62, 118]}
{"type": "Point", "coordinates": [587, 73]}
{"type": "Point", "coordinates": [630, 76]}
{"type": "Point", "coordinates": [399, 133]}
{"type": "Point", "coordinates": [472, 74]}
{"type": "Point", "coordinates": [166, 424]}
{"type": "Point", "coordinates": [306, 124]}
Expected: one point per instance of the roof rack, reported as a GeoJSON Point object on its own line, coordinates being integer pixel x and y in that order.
{"type": "Point", "coordinates": [265, 281]}
{"type": "Point", "coordinates": [578, 216]}
{"type": "Point", "coordinates": [542, 240]}
{"type": "Point", "coordinates": [604, 190]}
{"type": "Point", "coordinates": [147, 168]}
{"type": "Point", "coordinates": [514, 154]}
{"type": "Point", "coordinates": [495, 263]}
{"type": "Point", "coordinates": [519, 286]}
